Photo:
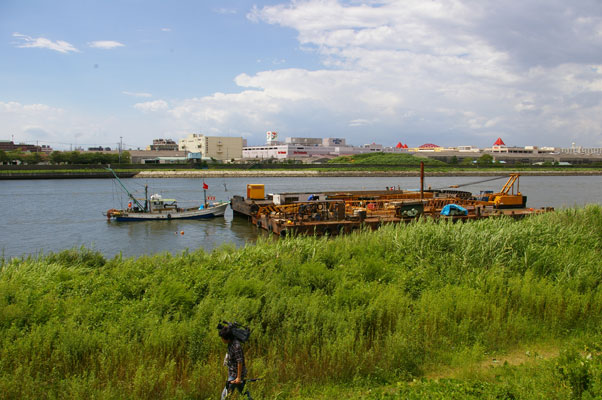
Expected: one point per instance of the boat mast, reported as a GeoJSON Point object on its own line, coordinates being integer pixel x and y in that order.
{"type": "Point", "coordinates": [421, 180]}
{"type": "Point", "coordinates": [146, 204]}
{"type": "Point", "coordinates": [125, 189]}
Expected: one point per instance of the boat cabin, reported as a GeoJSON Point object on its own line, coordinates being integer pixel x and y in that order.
{"type": "Point", "coordinates": [159, 203]}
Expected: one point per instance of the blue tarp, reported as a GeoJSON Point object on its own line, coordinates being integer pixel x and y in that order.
{"type": "Point", "coordinates": [453, 209]}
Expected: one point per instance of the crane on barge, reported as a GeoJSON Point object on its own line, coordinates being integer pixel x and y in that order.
{"type": "Point", "coordinates": [508, 197]}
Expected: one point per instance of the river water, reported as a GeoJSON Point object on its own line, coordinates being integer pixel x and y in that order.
{"type": "Point", "coordinates": [39, 216]}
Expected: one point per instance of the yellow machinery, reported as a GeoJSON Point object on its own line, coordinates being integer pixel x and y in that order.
{"type": "Point", "coordinates": [255, 191]}
{"type": "Point", "coordinates": [508, 197]}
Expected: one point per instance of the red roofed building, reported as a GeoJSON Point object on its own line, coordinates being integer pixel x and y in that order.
{"type": "Point", "coordinates": [399, 145]}
{"type": "Point", "coordinates": [429, 146]}
{"type": "Point", "coordinates": [499, 142]}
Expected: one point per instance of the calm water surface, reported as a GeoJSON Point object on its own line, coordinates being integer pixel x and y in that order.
{"type": "Point", "coordinates": [52, 215]}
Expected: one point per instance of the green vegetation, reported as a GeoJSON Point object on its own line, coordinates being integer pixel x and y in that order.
{"type": "Point", "coordinates": [51, 171]}
{"type": "Point", "coordinates": [76, 157]}
{"type": "Point", "coordinates": [20, 156]}
{"type": "Point", "coordinates": [373, 315]}
{"type": "Point", "coordinates": [485, 159]}
{"type": "Point", "coordinates": [371, 162]}
{"type": "Point", "coordinates": [385, 159]}
{"type": "Point", "coordinates": [64, 157]}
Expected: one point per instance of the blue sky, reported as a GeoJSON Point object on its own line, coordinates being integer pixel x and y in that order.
{"type": "Point", "coordinates": [451, 72]}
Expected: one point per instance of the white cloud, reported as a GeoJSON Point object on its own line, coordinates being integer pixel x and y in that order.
{"type": "Point", "coordinates": [31, 122]}
{"type": "Point", "coordinates": [447, 69]}
{"type": "Point", "coordinates": [105, 44]}
{"type": "Point", "coordinates": [416, 71]}
{"type": "Point", "coordinates": [15, 108]}
{"type": "Point", "coordinates": [152, 106]}
{"type": "Point", "coordinates": [359, 122]}
{"type": "Point", "coordinates": [62, 127]}
{"type": "Point", "coordinates": [165, 29]}
{"type": "Point", "coordinates": [137, 94]}
{"type": "Point", "coordinates": [29, 42]}
{"type": "Point", "coordinates": [224, 10]}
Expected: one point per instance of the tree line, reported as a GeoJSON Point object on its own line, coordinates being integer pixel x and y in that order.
{"type": "Point", "coordinates": [63, 157]}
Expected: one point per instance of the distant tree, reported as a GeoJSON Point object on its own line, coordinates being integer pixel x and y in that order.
{"type": "Point", "coordinates": [57, 157]}
{"type": "Point", "coordinates": [76, 157]}
{"type": "Point", "coordinates": [454, 160]}
{"type": "Point", "coordinates": [3, 157]}
{"type": "Point", "coordinates": [34, 158]}
{"type": "Point", "coordinates": [485, 159]}
{"type": "Point", "coordinates": [96, 158]}
{"type": "Point", "coordinates": [467, 161]}
{"type": "Point", "coordinates": [72, 157]}
{"type": "Point", "coordinates": [126, 157]}
{"type": "Point", "coordinates": [15, 156]}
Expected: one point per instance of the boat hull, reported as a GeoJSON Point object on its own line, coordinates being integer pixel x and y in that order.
{"type": "Point", "coordinates": [206, 213]}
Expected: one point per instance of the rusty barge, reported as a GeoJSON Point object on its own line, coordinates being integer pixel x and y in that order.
{"type": "Point", "coordinates": [340, 212]}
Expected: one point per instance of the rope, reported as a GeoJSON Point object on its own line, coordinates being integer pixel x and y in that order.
{"type": "Point", "coordinates": [474, 183]}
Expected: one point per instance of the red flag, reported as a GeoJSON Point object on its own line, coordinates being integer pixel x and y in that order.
{"type": "Point", "coordinates": [205, 186]}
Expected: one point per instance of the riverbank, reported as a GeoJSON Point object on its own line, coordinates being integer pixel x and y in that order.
{"type": "Point", "coordinates": [298, 173]}
{"type": "Point", "coordinates": [371, 315]}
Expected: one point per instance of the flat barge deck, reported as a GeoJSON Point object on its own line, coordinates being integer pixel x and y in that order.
{"type": "Point", "coordinates": [333, 213]}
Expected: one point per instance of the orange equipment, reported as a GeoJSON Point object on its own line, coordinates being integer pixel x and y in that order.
{"type": "Point", "coordinates": [508, 197]}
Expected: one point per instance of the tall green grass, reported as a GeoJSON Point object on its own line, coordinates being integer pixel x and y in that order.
{"type": "Point", "coordinates": [372, 307]}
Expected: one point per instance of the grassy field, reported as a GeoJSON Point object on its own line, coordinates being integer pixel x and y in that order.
{"type": "Point", "coordinates": [386, 158]}
{"type": "Point", "coordinates": [489, 309]}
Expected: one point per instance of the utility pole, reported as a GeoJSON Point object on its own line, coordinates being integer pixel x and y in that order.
{"type": "Point", "coordinates": [120, 147]}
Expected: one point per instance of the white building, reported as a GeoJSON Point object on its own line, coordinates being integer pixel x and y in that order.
{"type": "Point", "coordinates": [303, 141]}
{"type": "Point", "coordinates": [300, 148]}
{"type": "Point", "coordinates": [574, 149]}
{"type": "Point", "coordinates": [217, 147]}
{"type": "Point", "coordinates": [467, 149]}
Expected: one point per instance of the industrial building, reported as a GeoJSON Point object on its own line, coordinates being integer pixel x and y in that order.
{"type": "Point", "coordinates": [306, 148]}
{"type": "Point", "coordinates": [163, 144]}
{"type": "Point", "coordinates": [212, 147]}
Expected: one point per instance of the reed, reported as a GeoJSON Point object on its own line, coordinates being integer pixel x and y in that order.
{"type": "Point", "coordinates": [372, 307]}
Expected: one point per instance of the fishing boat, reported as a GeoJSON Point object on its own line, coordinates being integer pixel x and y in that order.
{"type": "Point", "coordinates": [157, 208]}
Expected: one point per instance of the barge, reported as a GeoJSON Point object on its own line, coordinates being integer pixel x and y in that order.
{"type": "Point", "coordinates": [340, 212]}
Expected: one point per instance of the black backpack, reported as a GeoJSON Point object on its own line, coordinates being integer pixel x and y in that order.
{"type": "Point", "coordinates": [241, 333]}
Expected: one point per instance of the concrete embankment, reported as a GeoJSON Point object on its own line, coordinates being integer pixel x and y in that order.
{"type": "Point", "coordinates": [309, 174]}
{"type": "Point", "coordinates": [277, 173]}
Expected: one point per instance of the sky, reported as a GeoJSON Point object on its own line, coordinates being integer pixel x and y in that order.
{"type": "Point", "coordinates": [450, 72]}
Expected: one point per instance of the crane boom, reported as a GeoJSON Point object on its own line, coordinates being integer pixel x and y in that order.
{"type": "Point", "coordinates": [510, 184]}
